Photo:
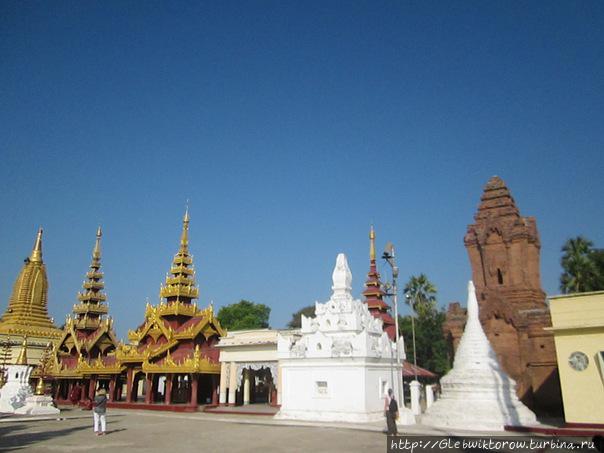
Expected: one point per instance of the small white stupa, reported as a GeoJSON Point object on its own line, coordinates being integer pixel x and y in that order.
{"type": "Point", "coordinates": [341, 364]}
{"type": "Point", "coordinates": [477, 394]}
{"type": "Point", "coordinates": [16, 396]}
{"type": "Point", "coordinates": [16, 390]}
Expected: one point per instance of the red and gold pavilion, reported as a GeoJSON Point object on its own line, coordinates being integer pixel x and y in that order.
{"type": "Point", "coordinates": [84, 358]}
{"type": "Point", "coordinates": [172, 357]}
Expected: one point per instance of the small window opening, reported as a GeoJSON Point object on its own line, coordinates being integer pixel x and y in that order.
{"type": "Point", "coordinates": [499, 277]}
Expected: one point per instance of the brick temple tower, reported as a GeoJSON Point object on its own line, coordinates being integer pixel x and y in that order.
{"type": "Point", "coordinates": [504, 252]}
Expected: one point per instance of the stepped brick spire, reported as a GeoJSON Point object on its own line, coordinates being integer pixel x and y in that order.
{"type": "Point", "coordinates": [92, 307]}
{"type": "Point", "coordinates": [180, 283]}
{"type": "Point", "coordinates": [496, 201]}
{"type": "Point", "coordinates": [374, 295]}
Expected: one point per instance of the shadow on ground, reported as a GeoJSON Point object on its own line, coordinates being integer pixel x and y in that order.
{"type": "Point", "coordinates": [21, 435]}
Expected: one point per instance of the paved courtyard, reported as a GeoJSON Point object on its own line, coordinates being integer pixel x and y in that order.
{"type": "Point", "coordinates": [169, 432]}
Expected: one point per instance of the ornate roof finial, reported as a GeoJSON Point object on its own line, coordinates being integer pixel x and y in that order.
{"type": "Point", "coordinates": [96, 253]}
{"type": "Point", "coordinates": [372, 244]}
{"type": "Point", "coordinates": [22, 359]}
{"type": "Point", "coordinates": [36, 253]}
{"type": "Point", "coordinates": [184, 239]}
{"type": "Point", "coordinates": [341, 277]}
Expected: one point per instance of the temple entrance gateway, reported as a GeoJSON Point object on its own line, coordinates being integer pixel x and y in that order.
{"type": "Point", "coordinates": [250, 372]}
{"type": "Point", "coordinates": [255, 383]}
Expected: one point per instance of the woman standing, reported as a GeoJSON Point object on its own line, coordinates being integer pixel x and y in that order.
{"type": "Point", "coordinates": [99, 411]}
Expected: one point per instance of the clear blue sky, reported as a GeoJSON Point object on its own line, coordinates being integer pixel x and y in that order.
{"type": "Point", "coordinates": [291, 127]}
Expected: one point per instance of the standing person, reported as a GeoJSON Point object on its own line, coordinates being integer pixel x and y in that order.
{"type": "Point", "coordinates": [76, 394]}
{"type": "Point", "coordinates": [391, 412]}
{"type": "Point", "coordinates": [99, 411]}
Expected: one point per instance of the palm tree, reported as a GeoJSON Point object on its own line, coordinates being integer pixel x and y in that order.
{"type": "Point", "coordinates": [580, 272]}
{"type": "Point", "coordinates": [419, 293]}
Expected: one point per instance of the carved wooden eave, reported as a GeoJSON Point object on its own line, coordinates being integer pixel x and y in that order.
{"type": "Point", "coordinates": [194, 364]}
{"type": "Point", "coordinates": [207, 327]}
{"type": "Point", "coordinates": [97, 367]}
{"type": "Point", "coordinates": [130, 354]}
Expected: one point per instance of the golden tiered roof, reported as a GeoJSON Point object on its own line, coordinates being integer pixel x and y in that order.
{"type": "Point", "coordinates": [169, 338]}
{"type": "Point", "coordinates": [89, 331]}
{"type": "Point", "coordinates": [180, 283]}
{"type": "Point", "coordinates": [27, 312]}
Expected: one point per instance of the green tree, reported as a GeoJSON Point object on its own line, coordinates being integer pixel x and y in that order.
{"type": "Point", "coordinates": [420, 295]}
{"type": "Point", "coordinates": [582, 266]}
{"type": "Point", "coordinates": [244, 315]}
{"type": "Point", "coordinates": [430, 344]}
{"type": "Point", "coordinates": [419, 291]}
{"type": "Point", "coordinates": [296, 321]}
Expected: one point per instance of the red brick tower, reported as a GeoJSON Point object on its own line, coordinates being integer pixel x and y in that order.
{"type": "Point", "coordinates": [374, 295]}
{"type": "Point", "coordinates": [504, 252]}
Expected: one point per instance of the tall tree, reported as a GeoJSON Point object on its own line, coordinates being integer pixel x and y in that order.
{"type": "Point", "coordinates": [296, 321]}
{"type": "Point", "coordinates": [582, 266]}
{"type": "Point", "coordinates": [244, 315]}
{"type": "Point", "coordinates": [420, 295]}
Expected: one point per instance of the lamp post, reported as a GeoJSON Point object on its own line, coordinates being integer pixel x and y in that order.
{"type": "Point", "coordinates": [390, 259]}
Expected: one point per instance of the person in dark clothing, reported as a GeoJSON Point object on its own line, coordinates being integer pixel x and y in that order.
{"type": "Point", "coordinates": [76, 394]}
{"type": "Point", "coordinates": [391, 412]}
{"type": "Point", "coordinates": [99, 411]}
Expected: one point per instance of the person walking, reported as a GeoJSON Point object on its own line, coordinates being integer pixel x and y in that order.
{"type": "Point", "coordinates": [391, 413]}
{"type": "Point", "coordinates": [99, 411]}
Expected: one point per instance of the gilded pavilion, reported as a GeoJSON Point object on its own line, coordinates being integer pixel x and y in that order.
{"type": "Point", "coordinates": [85, 355]}
{"type": "Point", "coordinates": [27, 312]}
{"type": "Point", "coordinates": [172, 357]}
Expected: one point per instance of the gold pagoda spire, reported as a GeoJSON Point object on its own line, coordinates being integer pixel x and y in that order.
{"type": "Point", "coordinates": [27, 310]}
{"type": "Point", "coordinates": [91, 308]}
{"type": "Point", "coordinates": [180, 282]}
{"type": "Point", "coordinates": [96, 253]}
{"type": "Point", "coordinates": [22, 359]}
{"type": "Point", "coordinates": [184, 238]}
{"type": "Point", "coordinates": [36, 253]}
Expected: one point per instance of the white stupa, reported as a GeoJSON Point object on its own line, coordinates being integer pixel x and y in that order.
{"type": "Point", "coordinates": [16, 390]}
{"type": "Point", "coordinates": [477, 394]}
{"type": "Point", "coordinates": [16, 396]}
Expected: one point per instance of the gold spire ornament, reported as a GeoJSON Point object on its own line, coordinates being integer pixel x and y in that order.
{"type": "Point", "coordinates": [180, 281]}
{"type": "Point", "coordinates": [43, 369]}
{"type": "Point", "coordinates": [36, 253]}
{"type": "Point", "coordinates": [96, 253]}
{"type": "Point", "coordinates": [22, 359]}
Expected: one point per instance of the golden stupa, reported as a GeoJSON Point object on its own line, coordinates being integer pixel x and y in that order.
{"type": "Point", "coordinates": [27, 312]}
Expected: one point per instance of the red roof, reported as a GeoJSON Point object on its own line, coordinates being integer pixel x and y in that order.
{"type": "Point", "coordinates": [410, 370]}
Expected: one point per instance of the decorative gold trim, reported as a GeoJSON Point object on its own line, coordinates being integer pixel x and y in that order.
{"type": "Point", "coordinates": [194, 364]}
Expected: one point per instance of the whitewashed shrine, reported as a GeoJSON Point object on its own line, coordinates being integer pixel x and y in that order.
{"type": "Point", "coordinates": [341, 364]}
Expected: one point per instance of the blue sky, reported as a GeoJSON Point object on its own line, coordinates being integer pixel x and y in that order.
{"type": "Point", "coordinates": [290, 127]}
